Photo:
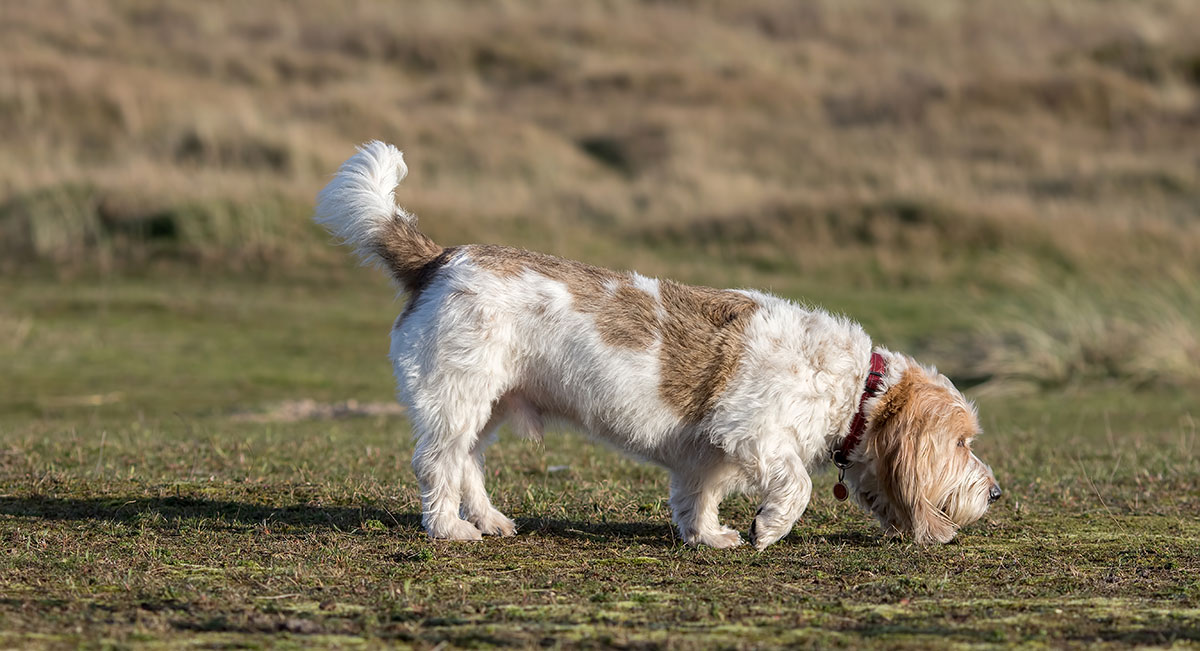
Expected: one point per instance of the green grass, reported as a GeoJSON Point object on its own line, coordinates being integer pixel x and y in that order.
{"type": "Point", "coordinates": [139, 507]}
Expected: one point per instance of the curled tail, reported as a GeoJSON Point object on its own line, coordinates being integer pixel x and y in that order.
{"type": "Point", "coordinates": [359, 208]}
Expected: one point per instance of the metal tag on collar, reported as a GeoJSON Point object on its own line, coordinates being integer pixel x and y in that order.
{"type": "Point", "coordinates": [840, 492]}
{"type": "Point", "coordinates": [839, 489]}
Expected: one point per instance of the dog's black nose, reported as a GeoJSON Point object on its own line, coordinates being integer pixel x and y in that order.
{"type": "Point", "coordinates": [995, 493]}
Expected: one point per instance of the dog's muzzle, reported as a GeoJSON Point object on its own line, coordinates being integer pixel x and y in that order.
{"type": "Point", "coordinates": [995, 493]}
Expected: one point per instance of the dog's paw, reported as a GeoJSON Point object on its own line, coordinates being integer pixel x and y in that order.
{"type": "Point", "coordinates": [763, 532]}
{"type": "Point", "coordinates": [494, 523]}
{"type": "Point", "coordinates": [724, 538]}
{"type": "Point", "coordinates": [453, 529]}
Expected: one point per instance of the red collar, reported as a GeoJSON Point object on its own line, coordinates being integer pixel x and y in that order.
{"type": "Point", "coordinates": [841, 456]}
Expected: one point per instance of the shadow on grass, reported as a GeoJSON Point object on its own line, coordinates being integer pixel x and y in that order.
{"type": "Point", "coordinates": [226, 514]}
{"type": "Point", "coordinates": [218, 515]}
{"type": "Point", "coordinates": [646, 533]}
{"type": "Point", "coordinates": [1081, 630]}
{"type": "Point", "coordinates": [204, 513]}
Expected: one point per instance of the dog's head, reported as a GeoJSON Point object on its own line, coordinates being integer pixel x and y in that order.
{"type": "Point", "coordinates": [915, 471]}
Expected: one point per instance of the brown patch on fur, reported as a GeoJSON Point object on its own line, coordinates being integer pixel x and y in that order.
{"type": "Point", "coordinates": [916, 421]}
{"type": "Point", "coordinates": [409, 254]}
{"type": "Point", "coordinates": [897, 397]}
{"type": "Point", "coordinates": [510, 261]}
{"type": "Point", "coordinates": [422, 276]}
{"type": "Point", "coordinates": [703, 338]}
{"type": "Point", "coordinates": [420, 279]}
{"type": "Point", "coordinates": [701, 329]}
{"type": "Point", "coordinates": [625, 317]}
{"type": "Point", "coordinates": [412, 258]}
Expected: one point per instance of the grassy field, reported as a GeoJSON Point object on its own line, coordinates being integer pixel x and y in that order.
{"type": "Point", "coordinates": [198, 445]}
{"type": "Point", "coordinates": [157, 487]}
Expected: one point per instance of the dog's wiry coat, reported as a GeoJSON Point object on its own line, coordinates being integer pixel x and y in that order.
{"type": "Point", "coordinates": [726, 389]}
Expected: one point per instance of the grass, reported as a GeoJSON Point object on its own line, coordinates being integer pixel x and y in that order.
{"type": "Point", "coordinates": [139, 507]}
{"type": "Point", "coordinates": [197, 446]}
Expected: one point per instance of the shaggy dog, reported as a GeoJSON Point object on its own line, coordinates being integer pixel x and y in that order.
{"type": "Point", "coordinates": [727, 389]}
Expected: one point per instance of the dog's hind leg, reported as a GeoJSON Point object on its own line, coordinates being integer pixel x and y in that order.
{"type": "Point", "coordinates": [786, 489]}
{"type": "Point", "coordinates": [452, 358]}
{"type": "Point", "coordinates": [695, 496]}
{"type": "Point", "coordinates": [476, 506]}
{"type": "Point", "coordinates": [439, 461]}
{"type": "Point", "coordinates": [452, 420]}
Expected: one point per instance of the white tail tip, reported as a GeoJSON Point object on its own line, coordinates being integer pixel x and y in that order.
{"type": "Point", "coordinates": [359, 200]}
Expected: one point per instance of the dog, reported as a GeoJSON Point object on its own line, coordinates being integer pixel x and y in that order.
{"type": "Point", "coordinates": [729, 390]}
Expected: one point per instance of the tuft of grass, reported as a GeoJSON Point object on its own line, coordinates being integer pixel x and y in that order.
{"type": "Point", "coordinates": [72, 228]}
{"type": "Point", "coordinates": [1062, 336]}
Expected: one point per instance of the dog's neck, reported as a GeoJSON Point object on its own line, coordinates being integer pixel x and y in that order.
{"type": "Point", "coordinates": [858, 424]}
{"type": "Point", "coordinates": [883, 372]}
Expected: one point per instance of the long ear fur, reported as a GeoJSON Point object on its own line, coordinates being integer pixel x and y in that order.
{"type": "Point", "coordinates": [904, 451]}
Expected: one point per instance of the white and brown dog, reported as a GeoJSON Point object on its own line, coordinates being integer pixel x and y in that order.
{"type": "Point", "coordinates": [727, 389]}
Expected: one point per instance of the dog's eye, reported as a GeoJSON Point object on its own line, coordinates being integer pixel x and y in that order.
{"type": "Point", "coordinates": [962, 443]}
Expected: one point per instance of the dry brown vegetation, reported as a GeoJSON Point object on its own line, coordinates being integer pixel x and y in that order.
{"type": "Point", "coordinates": [983, 147]}
{"type": "Point", "coordinates": [922, 135]}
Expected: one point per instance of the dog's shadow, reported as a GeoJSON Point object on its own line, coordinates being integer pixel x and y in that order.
{"type": "Point", "coordinates": [227, 514]}
{"type": "Point", "coordinates": [645, 533]}
{"type": "Point", "coordinates": [219, 515]}
{"type": "Point", "coordinates": [204, 513]}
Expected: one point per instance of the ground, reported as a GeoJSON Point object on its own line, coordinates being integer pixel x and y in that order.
{"type": "Point", "coordinates": [158, 488]}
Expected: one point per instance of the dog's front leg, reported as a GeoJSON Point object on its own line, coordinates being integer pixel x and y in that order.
{"type": "Point", "coordinates": [695, 497]}
{"type": "Point", "coordinates": [786, 489]}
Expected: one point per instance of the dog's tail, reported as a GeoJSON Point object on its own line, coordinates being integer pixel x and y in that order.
{"type": "Point", "coordinates": [358, 207]}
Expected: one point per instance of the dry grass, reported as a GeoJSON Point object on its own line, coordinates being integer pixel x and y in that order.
{"type": "Point", "coordinates": [1056, 133]}
{"type": "Point", "coordinates": [987, 149]}
{"type": "Point", "coordinates": [1069, 337]}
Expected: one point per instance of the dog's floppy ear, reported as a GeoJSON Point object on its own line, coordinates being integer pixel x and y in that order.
{"type": "Point", "coordinates": [904, 439]}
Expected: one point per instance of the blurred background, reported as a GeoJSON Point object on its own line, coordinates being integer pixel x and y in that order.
{"type": "Point", "coordinates": [1008, 188]}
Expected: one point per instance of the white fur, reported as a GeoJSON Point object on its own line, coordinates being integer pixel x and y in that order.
{"type": "Point", "coordinates": [358, 202]}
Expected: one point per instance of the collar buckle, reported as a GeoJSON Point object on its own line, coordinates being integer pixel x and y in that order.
{"type": "Point", "coordinates": [840, 459]}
